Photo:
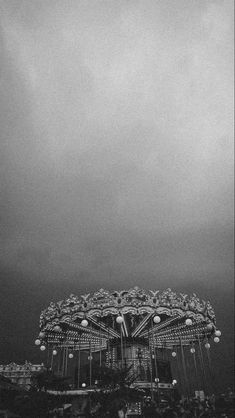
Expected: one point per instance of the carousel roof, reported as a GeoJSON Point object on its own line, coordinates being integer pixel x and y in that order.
{"type": "Point", "coordinates": [165, 318]}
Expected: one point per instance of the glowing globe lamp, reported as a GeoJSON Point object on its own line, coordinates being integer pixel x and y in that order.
{"type": "Point", "coordinates": [119, 319]}
{"type": "Point", "coordinates": [157, 319]}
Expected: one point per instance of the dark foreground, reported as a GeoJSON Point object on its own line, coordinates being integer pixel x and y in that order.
{"type": "Point", "coordinates": [40, 404]}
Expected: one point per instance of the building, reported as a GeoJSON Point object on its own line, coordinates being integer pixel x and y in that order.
{"type": "Point", "coordinates": [20, 374]}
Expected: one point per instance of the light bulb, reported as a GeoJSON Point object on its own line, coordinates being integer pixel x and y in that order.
{"type": "Point", "coordinates": [156, 319]}
{"type": "Point", "coordinates": [57, 328]}
{"type": "Point", "coordinates": [119, 319]}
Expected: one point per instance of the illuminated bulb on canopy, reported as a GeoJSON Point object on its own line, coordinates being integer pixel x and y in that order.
{"type": "Point", "coordinates": [119, 319]}
{"type": "Point", "coordinates": [192, 350]}
{"type": "Point", "coordinates": [37, 342]}
{"type": "Point", "coordinates": [57, 328]}
{"type": "Point", "coordinates": [156, 319]}
{"type": "Point", "coordinates": [42, 348]}
{"type": "Point", "coordinates": [173, 354]}
{"type": "Point", "coordinates": [174, 381]}
{"type": "Point", "coordinates": [83, 385]}
{"type": "Point", "coordinates": [54, 352]}
{"type": "Point", "coordinates": [188, 322]}
{"type": "Point", "coordinates": [218, 333]}
{"type": "Point", "coordinates": [70, 355]}
{"type": "Point", "coordinates": [84, 323]}
{"type": "Point", "coordinates": [207, 345]}
{"type": "Point", "coordinates": [216, 340]}
{"type": "Point", "coordinates": [41, 334]}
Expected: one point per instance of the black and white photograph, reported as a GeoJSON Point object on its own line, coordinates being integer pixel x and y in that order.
{"type": "Point", "coordinates": [117, 208]}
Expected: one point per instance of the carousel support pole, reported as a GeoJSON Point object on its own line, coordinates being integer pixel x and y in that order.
{"type": "Point", "coordinates": [90, 361]}
{"type": "Point", "coordinates": [209, 358]}
{"type": "Point", "coordinates": [178, 371]}
{"type": "Point", "coordinates": [164, 352]}
{"type": "Point", "coordinates": [66, 361]}
{"type": "Point", "coordinates": [90, 366]}
{"type": "Point", "coordinates": [100, 353]}
{"type": "Point", "coordinates": [100, 359]}
{"type": "Point", "coordinates": [52, 359]}
{"type": "Point", "coordinates": [184, 367]}
{"type": "Point", "coordinates": [156, 371]}
{"type": "Point", "coordinates": [202, 365]}
{"type": "Point", "coordinates": [63, 361]}
{"type": "Point", "coordinates": [121, 346]}
{"type": "Point", "coordinates": [187, 366]}
{"type": "Point", "coordinates": [108, 346]}
{"type": "Point", "coordinates": [59, 360]}
{"type": "Point", "coordinates": [151, 368]}
{"type": "Point", "coordinates": [79, 365]}
{"type": "Point", "coordinates": [195, 368]}
{"type": "Point", "coordinates": [121, 349]}
{"type": "Point", "coordinates": [48, 355]}
{"type": "Point", "coordinates": [125, 362]}
{"type": "Point", "coordinates": [155, 353]}
{"type": "Point", "coordinates": [210, 370]}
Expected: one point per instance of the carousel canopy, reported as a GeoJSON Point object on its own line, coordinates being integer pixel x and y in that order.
{"type": "Point", "coordinates": [92, 321]}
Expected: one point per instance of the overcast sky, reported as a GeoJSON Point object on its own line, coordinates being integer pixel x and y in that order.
{"type": "Point", "coordinates": [116, 147]}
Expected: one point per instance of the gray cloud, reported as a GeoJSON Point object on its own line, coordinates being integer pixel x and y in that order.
{"type": "Point", "coordinates": [116, 138]}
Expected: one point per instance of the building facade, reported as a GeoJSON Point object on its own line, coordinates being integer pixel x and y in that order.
{"type": "Point", "coordinates": [21, 374]}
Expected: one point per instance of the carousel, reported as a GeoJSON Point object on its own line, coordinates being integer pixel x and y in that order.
{"type": "Point", "coordinates": [161, 337]}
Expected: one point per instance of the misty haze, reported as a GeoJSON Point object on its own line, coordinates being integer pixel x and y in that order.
{"type": "Point", "coordinates": [116, 149]}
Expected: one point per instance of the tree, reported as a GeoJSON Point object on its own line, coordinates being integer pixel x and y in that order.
{"type": "Point", "coordinates": [47, 379]}
{"type": "Point", "coordinates": [114, 389]}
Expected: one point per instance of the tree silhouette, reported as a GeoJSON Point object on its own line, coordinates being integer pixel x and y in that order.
{"type": "Point", "coordinates": [113, 389]}
{"type": "Point", "coordinates": [47, 379]}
